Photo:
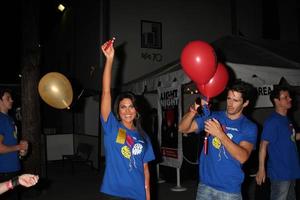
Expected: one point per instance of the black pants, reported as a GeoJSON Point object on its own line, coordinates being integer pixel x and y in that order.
{"type": "Point", "coordinates": [110, 197]}
{"type": "Point", "coordinates": [11, 194]}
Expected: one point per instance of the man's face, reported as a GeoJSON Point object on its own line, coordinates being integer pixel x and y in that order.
{"type": "Point", "coordinates": [284, 101]}
{"type": "Point", "coordinates": [6, 102]}
{"type": "Point", "coordinates": [235, 104]}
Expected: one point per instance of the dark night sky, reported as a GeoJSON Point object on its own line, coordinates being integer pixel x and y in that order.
{"type": "Point", "coordinates": [10, 20]}
{"type": "Point", "coordinates": [10, 42]}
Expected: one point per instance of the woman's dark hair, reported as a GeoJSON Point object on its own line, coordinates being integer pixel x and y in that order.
{"type": "Point", "coordinates": [137, 120]}
{"type": "Point", "coordinates": [120, 97]}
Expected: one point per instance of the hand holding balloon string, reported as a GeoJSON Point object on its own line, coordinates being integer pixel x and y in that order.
{"type": "Point", "coordinates": [202, 107]}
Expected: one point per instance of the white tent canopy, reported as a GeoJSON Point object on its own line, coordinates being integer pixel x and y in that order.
{"type": "Point", "coordinates": [245, 60]}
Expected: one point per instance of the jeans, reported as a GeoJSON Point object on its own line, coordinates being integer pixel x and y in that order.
{"type": "Point", "coordinates": [283, 190]}
{"type": "Point", "coordinates": [205, 192]}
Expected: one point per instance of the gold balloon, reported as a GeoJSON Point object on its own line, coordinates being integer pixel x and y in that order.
{"type": "Point", "coordinates": [56, 90]}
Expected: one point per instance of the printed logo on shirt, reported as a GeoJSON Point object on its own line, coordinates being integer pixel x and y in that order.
{"type": "Point", "coordinates": [126, 152]}
{"type": "Point", "coordinates": [293, 136]}
{"type": "Point", "coordinates": [132, 147]}
{"type": "Point", "coordinates": [137, 149]}
{"type": "Point", "coordinates": [15, 131]}
{"type": "Point", "coordinates": [216, 143]}
{"type": "Point", "coordinates": [230, 136]}
{"type": "Point", "coordinates": [121, 137]}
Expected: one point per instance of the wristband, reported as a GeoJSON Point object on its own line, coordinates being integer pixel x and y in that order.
{"type": "Point", "coordinates": [15, 181]}
{"type": "Point", "coordinates": [9, 185]}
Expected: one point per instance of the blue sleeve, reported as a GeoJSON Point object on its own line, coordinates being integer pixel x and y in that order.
{"type": "Point", "coordinates": [269, 131]}
{"type": "Point", "coordinates": [2, 132]}
{"type": "Point", "coordinates": [201, 118]}
{"type": "Point", "coordinates": [109, 124]}
{"type": "Point", "coordinates": [250, 134]}
{"type": "Point", "coordinates": [149, 154]}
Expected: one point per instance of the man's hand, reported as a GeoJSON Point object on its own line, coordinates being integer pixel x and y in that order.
{"type": "Point", "coordinates": [23, 145]}
{"type": "Point", "coordinates": [260, 177]}
{"type": "Point", "coordinates": [213, 127]}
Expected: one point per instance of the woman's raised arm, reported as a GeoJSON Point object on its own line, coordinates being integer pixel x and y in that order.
{"type": "Point", "coordinates": [108, 50]}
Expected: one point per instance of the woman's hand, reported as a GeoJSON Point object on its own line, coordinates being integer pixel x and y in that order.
{"type": "Point", "coordinates": [28, 180]}
{"type": "Point", "coordinates": [108, 48]}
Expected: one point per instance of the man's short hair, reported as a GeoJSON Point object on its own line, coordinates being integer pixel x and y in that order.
{"type": "Point", "coordinates": [3, 91]}
{"type": "Point", "coordinates": [275, 93]}
{"type": "Point", "coordinates": [246, 89]}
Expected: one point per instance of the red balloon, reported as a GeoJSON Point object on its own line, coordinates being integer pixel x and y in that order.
{"type": "Point", "coordinates": [216, 84]}
{"type": "Point", "coordinates": [199, 61]}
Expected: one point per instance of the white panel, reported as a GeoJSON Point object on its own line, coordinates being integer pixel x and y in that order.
{"type": "Point", "coordinates": [91, 116]}
{"type": "Point", "coordinates": [57, 145]}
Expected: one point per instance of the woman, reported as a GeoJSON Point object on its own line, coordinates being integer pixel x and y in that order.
{"type": "Point", "coordinates": [127, 148]}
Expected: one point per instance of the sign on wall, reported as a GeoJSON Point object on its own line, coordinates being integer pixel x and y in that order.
{"type": "Point", "coordinates": [263, 96]}
{"type": "Point", "coordinates": [151, 34]}
{"type": "Point", "coordinates": [169, 114]}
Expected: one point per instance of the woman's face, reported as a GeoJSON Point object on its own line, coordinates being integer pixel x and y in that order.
{"type": "Point", "coordinates": [127, 111]}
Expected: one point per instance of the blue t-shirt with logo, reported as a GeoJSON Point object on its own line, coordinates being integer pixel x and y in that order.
{"type": "Point", "coordinates": [283, 161]}
{"type": "Point", "coordinates": [9, 162]}
{"type": "Point", "coordinates": [126, 151]}
{"type": "Point", "coordinates": [218, 169]}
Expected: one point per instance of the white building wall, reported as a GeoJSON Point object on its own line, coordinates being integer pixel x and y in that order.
{"type": "Point", "coordinates": [182, 21]}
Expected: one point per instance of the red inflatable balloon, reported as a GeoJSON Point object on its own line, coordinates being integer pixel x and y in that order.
{"type": "Point", "coordinates": [199, 61]}
{"type": "Point", "coordinates": [216, 84]}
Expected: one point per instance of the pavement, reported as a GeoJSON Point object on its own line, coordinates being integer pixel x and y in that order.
{"type": "Point", "coordinates": [84, 183]}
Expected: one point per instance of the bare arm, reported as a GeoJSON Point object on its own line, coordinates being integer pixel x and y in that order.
{"type": "Point", "coordinates": [187, 123]}
{"type": "Point", "coordinates": [147, 180]}
{"type": "Point", "coordinates": [108, 51]}
{"type": "Point", "coordinates": [297, 136]}
{"type": "Point", "coordinates": [240, 152]}
{"type": "Point", "coordinates": [26, 180]}
{"type": "Point", "coordinates": [4, 186]}
{"type": "Point", "coordinates": [7, 149]}
{"type": "Point", "coordinates": [261, 174]}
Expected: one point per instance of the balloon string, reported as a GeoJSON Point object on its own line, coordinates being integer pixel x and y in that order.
{"type": "Point", "coordinates": [205, 144]}
{"type": "Point", "coordinates": [65, 103]}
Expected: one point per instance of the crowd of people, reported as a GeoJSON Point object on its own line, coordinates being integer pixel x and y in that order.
{"type": "Point", "coordinates": [231, 138]}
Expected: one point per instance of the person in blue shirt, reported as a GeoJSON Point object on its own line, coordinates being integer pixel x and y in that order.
{"type": "Point", "coordinates": [230, 137]}
{"type": "Point", "coordinates": [10, 147]}
{"type": "Point", "coordinates": [278, 141]}
{"type": "Point", "coordinates": [127, 147]}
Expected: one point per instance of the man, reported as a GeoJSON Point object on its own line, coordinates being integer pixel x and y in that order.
{"type": "Point", "coordinates": [231, 138]}
{"type": "Point", "coordinates": [10, 149]}
{"type": "Point", "coordinates": [278, 140]}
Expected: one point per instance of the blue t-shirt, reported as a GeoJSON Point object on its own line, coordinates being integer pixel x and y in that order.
{"type": "Point", "coordinates": [218, 169]}
{"type": "Point", "coordinates": [9, 162]}
{"type": "Point", "coordinates": [126, 151]}
{"type": "Point", "coordinates": [283, 161]}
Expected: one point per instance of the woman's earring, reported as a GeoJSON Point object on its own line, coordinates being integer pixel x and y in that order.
{"type": "Point", "coordinates": [137, 115]}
